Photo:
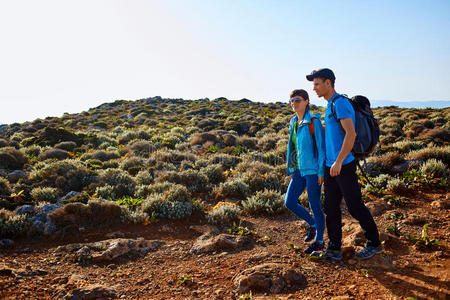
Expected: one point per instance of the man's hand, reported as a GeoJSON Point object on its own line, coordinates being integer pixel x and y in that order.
{"type": "Point", "coordinates": [335, 169]}
{"type": "Point", "coordinates": [320, 180]}
{"type": "Point", "coordinates": [290, 178]}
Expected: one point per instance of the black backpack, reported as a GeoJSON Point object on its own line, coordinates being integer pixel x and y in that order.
{"type": "Point", "coordinates": [367, 127]}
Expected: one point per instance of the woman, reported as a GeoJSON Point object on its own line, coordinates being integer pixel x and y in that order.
{"type": "Point", "coordinates": [305, 162]}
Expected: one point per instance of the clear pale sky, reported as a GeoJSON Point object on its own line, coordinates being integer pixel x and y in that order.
{"type": "Point", "coordinates": [68, 56]}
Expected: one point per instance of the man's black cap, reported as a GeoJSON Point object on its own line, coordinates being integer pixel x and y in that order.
{"type": "Point", "coordinates": [322, 73]}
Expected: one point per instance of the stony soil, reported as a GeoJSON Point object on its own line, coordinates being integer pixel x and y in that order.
{"type": "Point", "coordinates": [32, 269]}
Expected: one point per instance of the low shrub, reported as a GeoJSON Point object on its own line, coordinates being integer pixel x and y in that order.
{"type": "Point", "coordinates": [5, 188]}
{"type": "Point", "coordinates": [67, 175]}
{"type": "Point", "coordinates": [434, 168]}
{"type": "Point", "coordinates": [396, 186]}
{"type": "Point", "coordinates": [406, 146]}
{"type": "Point", "coordinates": [54, 154]}
{"type": "Point", "coordinates": [115, 183]}
{"type": "Point", "coordinates": [223, 213]}
{"type": "Point", "coordinates": [383, 163]}
{"type": "Point", "coordinates": [33, 150]}
{"type": "Point", "coordinates": [68, 146]}
{"type": "Point", "coordinates": [214, 173]}
{"type": "Point", "coordinates": [225, 160]}
{"type": "Point", "coordinates": [143, 191]}
{"type": "Point", "coordinates": [45, 194]}
{"type": "Point", "coordinates": [12, 225]}
{"type": "Point", "coordinates": [11, 158]}
{"type": "Point", "coordinates": [267, 202]}
{"type": "Point", "coordinates": [95, 213]}
{"type": "Point", "coordinates": [133, 164]}
{"type": "Point", "coordinates": [439, 153]}
{"type": "Point", "coordinates": [201, 138]}
{"type": "Point", "coordinates": [166, 206]}
{"type": "Point", "coordinates": [192, 179]}
{"type": "Point", "coordinates": [144, 177]}
{"type": "Point", "coordinates": [142, 148]}
{"type": "Point", "coordinates": [234, 188]}
{"type": "Point", "coordinates": [268, 142]}
{"type": "Point", "coordinates": [100, 155]}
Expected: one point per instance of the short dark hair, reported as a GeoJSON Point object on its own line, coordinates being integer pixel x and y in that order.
{"type": "Point", "coordinates": [300, 93]}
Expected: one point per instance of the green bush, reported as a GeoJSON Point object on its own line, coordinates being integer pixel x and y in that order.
{"type": "Point", "coordinates": [5, 188]}
{"type": "Point", "coordinates": [234, 188]}
{"type": "Point", "coordinates": [224, 214]}
{"type": "Point", "coordinates": [396, 186]}
{"type": "Point", "coordinates": [439, 153]}
{"type": "Point", "coordinates": [45, 194]}
{"type": "Point", "coordinates": [11, 158]}
{"type": "Point", "coordinates": [434, 168]}
{"type": "Point", "coordinates": [143, 190]}
{"type": "Point", "coordinates": [133, 164]}
{"type": "Point", "coordinates": [174, 203]}
{"type": "Point", "coordinates": [214, 173]}
{"type": "Point", "coordinates": [192, 179]}
{"type": "Point", "coordinates": [95, 213]}
{"type": "Point", "coordinates": [406, 146]}
{"type": "Point", "coordinates": [54, 154]}
{"type": "Point", "coordinates": [116, 184]}
{"type": "Point", "coordinates": [267, 202]}
{"type": "Point", "coordinates": [144, 177]}
{"type": "Point", "coordinates": [12, 225]}
{"type": "Point", "coordinates": [67, 175]}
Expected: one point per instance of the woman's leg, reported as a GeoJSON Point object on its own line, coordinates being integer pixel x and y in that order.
{"type": "Point", "coordinates": [314, 203]}
{"type": "Point", "coordinates": [295, 189]}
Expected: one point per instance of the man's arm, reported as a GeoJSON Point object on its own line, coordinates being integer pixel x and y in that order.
{"type": "Point", "coordinates": [347, 145]}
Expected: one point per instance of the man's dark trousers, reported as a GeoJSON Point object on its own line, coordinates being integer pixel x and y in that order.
{"type": "Point", "coordinates": [346, 185]}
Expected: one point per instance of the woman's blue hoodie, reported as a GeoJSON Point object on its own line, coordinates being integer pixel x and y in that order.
{"type": "Point", "coordinates": [310, 161]}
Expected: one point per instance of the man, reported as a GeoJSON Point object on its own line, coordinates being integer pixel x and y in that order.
{"type": "Point", "coordinates": [340, 170]}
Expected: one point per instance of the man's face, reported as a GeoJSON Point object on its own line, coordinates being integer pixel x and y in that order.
{"type": "Point", "coordinates": [321, 86]}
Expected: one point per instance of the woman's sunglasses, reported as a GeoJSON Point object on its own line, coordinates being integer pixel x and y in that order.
{"type": "Point", "coordinates": [297, 100]}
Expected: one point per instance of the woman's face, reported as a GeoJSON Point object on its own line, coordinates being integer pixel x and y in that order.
{"type": "Point", "coordinates": [298, 103]}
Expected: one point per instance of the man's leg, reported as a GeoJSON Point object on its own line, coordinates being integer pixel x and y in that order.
{"type": "Point", "coordinates": [348, 182]}
{"type": "Point", "coordinates": [332, 209]}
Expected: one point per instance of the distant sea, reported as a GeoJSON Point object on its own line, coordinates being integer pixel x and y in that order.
{"type": "Point", "coordinates": [410, 104]}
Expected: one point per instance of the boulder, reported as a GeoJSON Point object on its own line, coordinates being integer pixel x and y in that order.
{"type": "Point", "coordinates": [25, 209]}
{"type": "Point", "coordinates": [93, 291]}
{"type": "Point", "coordinates": [15, 175]}
{"type": "Point", "coordinates": [269, 278]}
{"type": "Point", "coordinates": [378, 208]}
{"type": "Point", "coordinates": [441, 204]}
{"type": "Point", "coordinates": [415, 220]}
{"type": "Point", "coordinates": [209, 242]}
{"type": "Point", "coordinates": [109, 250]}
{"type": "Point", "coordinates": [379, 261]}
{"type": "Point", "coordinates": [69, 195]}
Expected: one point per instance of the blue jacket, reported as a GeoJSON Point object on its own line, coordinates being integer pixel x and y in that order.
{"type": "Point", "coordinates": [311, 161]}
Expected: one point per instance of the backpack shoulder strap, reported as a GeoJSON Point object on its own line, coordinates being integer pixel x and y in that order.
{"type": "Point", "coordinates": [311, 126]}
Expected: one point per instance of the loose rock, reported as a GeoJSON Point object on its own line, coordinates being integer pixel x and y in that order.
{"type": "Point", "coordinates": [271, 277]}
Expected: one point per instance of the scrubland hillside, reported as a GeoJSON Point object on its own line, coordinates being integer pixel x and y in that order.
{"type": "Point", "coordinates": [170, 170]}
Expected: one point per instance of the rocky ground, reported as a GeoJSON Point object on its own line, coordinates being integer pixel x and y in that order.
{"type": "Point", "coordinates": [191, 260]}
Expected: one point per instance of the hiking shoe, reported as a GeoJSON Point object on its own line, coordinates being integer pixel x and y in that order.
{"type": "Point", "coordinates": [314, 247]}
{"type": "Point", "coordinates": [333, 254]}
{"type": "Point", "coordinates": [368, 252]}
{"type": "Point", "coordinates": [310, 234]}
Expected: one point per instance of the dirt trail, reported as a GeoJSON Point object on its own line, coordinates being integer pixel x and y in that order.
{"type": "Point", "coordinates": [401, 271]}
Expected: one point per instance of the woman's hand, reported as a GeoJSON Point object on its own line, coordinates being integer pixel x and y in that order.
{"type": "Point", "coordinates": [320, 180]}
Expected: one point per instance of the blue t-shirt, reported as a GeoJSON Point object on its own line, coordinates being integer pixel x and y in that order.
{"type": "Point", "coordinates": [334, 134]}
